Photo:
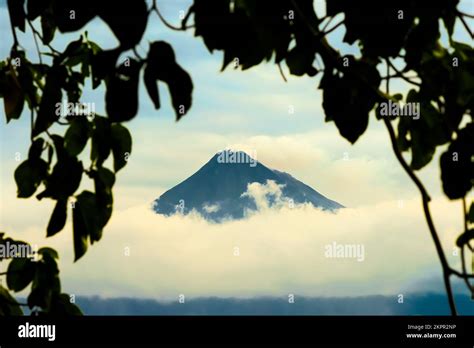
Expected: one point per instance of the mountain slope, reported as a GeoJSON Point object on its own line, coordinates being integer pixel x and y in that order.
{"type": "Point", "coordinates": [215, 190]}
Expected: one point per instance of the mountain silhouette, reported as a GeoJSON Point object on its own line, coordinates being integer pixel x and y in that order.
{"type": "Point", "coordinates": [217, 190]}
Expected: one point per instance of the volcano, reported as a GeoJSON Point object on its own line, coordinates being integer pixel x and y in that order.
{"type": "Point", "coordinates": [219, 190]}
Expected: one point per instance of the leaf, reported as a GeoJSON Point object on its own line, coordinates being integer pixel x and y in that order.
{"type": "Point", "coordinates": [76, 136]}
{"type": "Point", "coordinates": [348, 100]}
{"type": "Point", "coordinates": [128, 23]}
{"type": "Point", "coordinates": [28, 177]}
{"type": "Point", "coordinates": [102, 65]}
{"type": "Point", "coordinates": [300, 61]}
{"type": "Point", "coordinates": [48, 25]}
{"type": "Point", "coordinates": [161, 65]}
{"type": "Point", "coordinates": [84, 222]}
{"type": "Point", "coordinates": [152, 87]}
{"type": "Point", "coordinates": [8, 305]}
{"type": "Point", "coordinates": [58, 218]}
{"type": "Point", "coordinates": [121, 97]}
{"type": "Point", "coordinates": [51, 99]}
{"type": "Point", "coordinates": [101, 140]}
{"type": "Point", "coordinates": [17, 13]}
{"type": "Point", "coordinates": [35, 8]}
{"type": "Point", "coordinates": [66, 176]}
{"type": "Point", "coordinates": [457, 166]}
{"type": "Point", "coordinates": [46, 283]}
{"type": "Point", "coordinates": [465, 238]}
{"type": "Point", "coordinates": [48, 252]}
{"type": "Point", "coordinates": [20, 273]}
{"type": "Point", "coordinates": [121, 145]}
{"type": "Point", "coordinates": [72, 15]}
{"type": "Point", "coordinates": [61, 306]}
{"type": "Point", "coordinates": [104, 180]}
{"type": "Point", "coordinates": [13, 95]}
{"type": "Point", "coordinates": [36, 149]}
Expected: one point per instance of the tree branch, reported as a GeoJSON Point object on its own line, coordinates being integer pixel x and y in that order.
{"type": "Point", "coordinates": [447, 271]}
{"type": "Point", "coordinates": [183, 27]}
{"type": "Point", "coordinates": [400, 75]}
{"type": "Point", "coordinates": [331, 54]}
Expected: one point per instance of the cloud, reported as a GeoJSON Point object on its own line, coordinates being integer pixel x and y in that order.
{"type": "Point", "coordinates": [213, 208]}
{"type": "Point", "coordinates": [265, 195]}
{"type": "Point", "coordinates": [274, 252]}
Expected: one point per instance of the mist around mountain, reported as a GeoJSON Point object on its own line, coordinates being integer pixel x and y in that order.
{"type": "Point", "coordinates": [220, 189]}
{"type": "Point", "coordinates": [413, 304]}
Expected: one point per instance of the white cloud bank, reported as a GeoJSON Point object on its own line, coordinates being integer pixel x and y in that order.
{"type": "Point", "coordinates": [275, 252]}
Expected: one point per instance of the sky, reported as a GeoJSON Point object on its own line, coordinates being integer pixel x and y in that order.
{"type": "Point", "coordinates": [281, 250]}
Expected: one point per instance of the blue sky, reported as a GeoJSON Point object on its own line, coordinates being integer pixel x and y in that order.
{"type": "Point", "coordinates": [247, 110]}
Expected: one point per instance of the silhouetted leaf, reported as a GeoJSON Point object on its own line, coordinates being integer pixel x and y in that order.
{"type": "Point", "coordinates": [58, 218]}
{"type": "Point", "coordinates": [161, 65]}
{"type": "Point", "coordinates": [20, 273]}
{"type": "Point", "coordinates": [28, 177]}
{"type": "Point", "coordinates": [85, 222]}
{"type": "Point", "coordinates": [51, 98]}
{"type": "Point", "coordinates": [35, 8]}
{"type": "Point", "coordinates": [66, 175]}
{"type": "Point", "coordinates": [121, 97]}
{"type": "Point", "coordinates": [46, 283]}
{"type": "Point", "coordinates": [101, 140]}
{"type": "Point", "coordinates": [104, 179]}
{"type": "Point", "coordinates": [300, 62]}
{"type": "Point", "coordinates": [465, 238]}
{"type": "Point", "coordinates": [457, 166]}
{"type": "Point", "coordinates": [36, 149]}
{"type": "Point", "coordinates": [17, 13]}
{"type": "Point", "coordinates": [348, 100]}
{"type": "Point", "coordinates": [46, 252]}
{"type": "Point", "coordinates": [72, 15]}
{"type": "Point", "coordinates": [127, 22]}
{"type": "Point", "coordinates": [121, 145]}
{"type": "Point", "coordinates": [8, 305]}
{"type": "Point", "coordinates": [47, 27]}
{"type": "Point", "coordinates": [61, 306]}
{"type": "Point", "coordinates": [13, 95]}
{"type": "Point", "coordinates": [103, 65]}
{"type": "Point", "coordinates": [76, 136]}
{"type": "Point", "coordinates": [152, 86]}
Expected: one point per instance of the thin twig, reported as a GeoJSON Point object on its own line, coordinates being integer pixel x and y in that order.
{"type": "Point", "coordinates": [36, 32]}
{"type": "Point", "coordinates": [36, 41]}
{"type": "Point", "coordinates": [185, 19]}
{"type": "Point", "coordinates": [165, 22]}
{"type": "Point", "coordinates": [281, 72]}
{"type": "Point", "coordinates": [465, 14]}
{"type": "Point", "coordinates": [15, 38]}
{"type": "Point", "coordinates": [327, 23]}
{"type": "Point", "coordinates": [333, 28]}
{"type": "Point", "coordinates": [134, 50]}
{"type": "Point", "coordinates": [400, 75]}
{"type": "Point", "coordinates": [463, 21]}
